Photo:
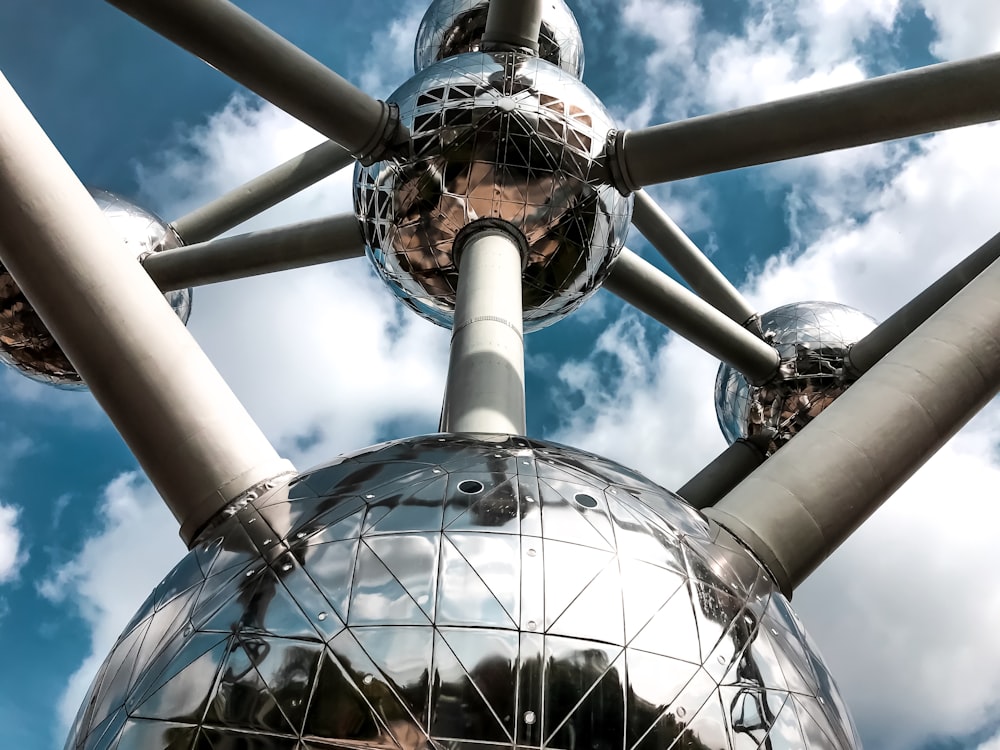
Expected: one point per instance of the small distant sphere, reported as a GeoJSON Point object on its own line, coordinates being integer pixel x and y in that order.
{"type": "Point", "coordinates": [451, 592]}
{"type": "Point", "coordinates": [812, 339]}
{"type": "Point", "coordinates": [25, 342]}
{"type": "Point", "coordinates": [501, 136]}
{"type": "Point", "coordinates": [453, 27]}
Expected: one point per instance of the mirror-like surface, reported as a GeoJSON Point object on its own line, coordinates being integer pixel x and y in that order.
{"type": "Point", "coordinates": [812, 339]}
{"type": "Point", "coordinates": [25, 342]}
{"type": "Point", "coordinates": [447, 592]}
{"type": "Point", "coordinates": [453, 27]}
{"type": "Point", "coordinates": [500, 136]}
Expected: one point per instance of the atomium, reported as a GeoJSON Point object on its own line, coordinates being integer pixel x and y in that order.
{"type": "Point", "coordinates": [453, 592]}
{"type": "Point", "coordinates": [452, 27]}
{"type": "Point", "coordinates": [25, 342]}
{"type": "Point", "coordinates": [812, 339]}
{"type": "Point", "coordinates": [495, 136]}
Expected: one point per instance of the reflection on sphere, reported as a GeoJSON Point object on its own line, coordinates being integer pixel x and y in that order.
{"type": "Point", "coordinates": [502, 136]}
{"type": "Point", "coordinates": [448, 592]}
{"type": "Point", "coordinates": [25, 342]}
{"type": "Point", "coordinates": [812, 339]}
{"type": "Point", "coordinates": [453, 27]}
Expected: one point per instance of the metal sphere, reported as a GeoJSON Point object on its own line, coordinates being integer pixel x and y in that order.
{"type": "Point", "coordinates": [453, 27]}
{"type": "Point", "coordinates": [503, 136]}
{"type": "Point", "coordinates": [812, 339]}
{"type": "Point", "coordinates": [25, 342]}
{"type": "Point", "coordinates": [450, 592]}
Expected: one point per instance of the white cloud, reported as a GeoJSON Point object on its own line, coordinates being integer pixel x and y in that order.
{"type": "Point", "coordinates": [966, 28]}
{"type": "Point", "coordinates": [112, 575]}
{"type": "Point", "coordinates": [12, 554]}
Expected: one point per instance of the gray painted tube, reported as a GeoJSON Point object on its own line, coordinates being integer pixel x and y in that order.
{"type": "Point", "coordinates": [937, 97]}
{"type": "Point", "coordinates": [685, 257]}
{"type": "Point", "coordinates": [646, 287]}
{"type": "Point", "coordinates": [726, 471]}
{"type": "Point", "coordinates": [261, 193]}
{"type": "Point", "coordinates": [809, 497]}
{"type": "Point", "coordinates": [297, 246]}
{"type": "Point", "coordinates": [485, 387]}
{"type": "Point", "coordinates": [513, 23]}
{"type": "Point", "coordinates": [864, 354]}
{"type": "Point", "coordinates": [250, 53]}
{"type": "Point", "coordinates": [192, 437]}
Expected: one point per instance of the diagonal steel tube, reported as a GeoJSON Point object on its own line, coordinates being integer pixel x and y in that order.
{"type": "Point", "coordinates": [724, 472]}
{"type": "Point", "coordinates": [186, 428]}
{"type": "Point", "coordinates": [864, 354]}
{"type": "Point", "coordinates": [513, 23]}
{"type": "Point", "coordinates": [261, 193]}
{"type": "Point", "coordinates": [296, 246]}
{"type": "Point", "coordinates": [250, 53]}
{"type": "Point", "coordinates": [647, 288]}
{"type": "Point", "coordinates": [685, 257]}
{"type": "Point", "coordinates": [937, 97]}
{"type": "Point", "coordinates": [810, 496]}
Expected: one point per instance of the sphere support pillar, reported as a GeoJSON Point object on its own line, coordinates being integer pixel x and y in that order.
{"type": "Point", "coordinates": [513, 24]}
{"type": "Point", "coordinates": [809, 497]}
{"type": "Point", "coordinates": [485, 387]}
{"type": "Point", "coordinates": [190, 434]}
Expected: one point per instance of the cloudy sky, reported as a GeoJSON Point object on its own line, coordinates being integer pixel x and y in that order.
{"type": "Point", "coordinates": [906, 613]}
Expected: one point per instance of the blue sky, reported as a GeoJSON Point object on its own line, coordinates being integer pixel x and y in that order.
{"type": "Point", "coordinates": [905, 613]}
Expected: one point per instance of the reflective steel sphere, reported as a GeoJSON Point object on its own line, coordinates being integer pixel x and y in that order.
{"type": "Point", "coordinates": [449, 592]}
{"type": "Point", "coordinates": [453, 27]}
{"type": "Point", "coordinates": [812, 339]}
{"type": "Point", "coordinates": [504, 136]}
{"type": "Point", "coordinates": [25, 342]}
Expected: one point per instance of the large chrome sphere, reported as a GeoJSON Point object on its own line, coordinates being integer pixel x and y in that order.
{"type": "Point", "coordinates": [449, 592]}
{"type": "Point", "coordinates": [812, 339]}
{"type": "Point", "coordinates": [453, 27]}
{"type": "Point", "coordinates": [503, 136]}
{"type": "Point", "coordinates": [25, 342]}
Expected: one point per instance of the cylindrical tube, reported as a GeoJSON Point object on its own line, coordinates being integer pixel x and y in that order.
{"type": "Point", "coordinates": [810, 496]}
{"type": "Point", "coordinates": [259, 194]}
{"type": "Point", "coordinates": [646, 287]}
{"type": "Point", "coordinates": [188, 431]}
{"type": "Point", "coordinates": [485, 387]}
{"type": "Point", "coordinates": [296, 246]}
{"type": "Point", "coordinates": [513, 23]}
{"type": "Point", "coordinates": [726, 471]}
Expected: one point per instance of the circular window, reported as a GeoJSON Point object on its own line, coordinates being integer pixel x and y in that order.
{"type": "Point", "coordinates": [470, 487]}
{"type": "Point", "coordinates": [587, 501]}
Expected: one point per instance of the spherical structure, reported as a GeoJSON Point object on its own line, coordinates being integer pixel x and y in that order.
{"type": "Point", "coordinates": [451, 592]}
{"type": "Point", "coordinates": [453, 27]}
{"type": "Point", "coordinates": [495, 136]}
{"type": "Point", "coordinates": [25, 342]}
{"type": "Point", "coordinates": [812, 339]}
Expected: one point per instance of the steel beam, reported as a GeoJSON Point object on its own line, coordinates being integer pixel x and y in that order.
{"type": "Point", "coordinates": [261, 193]}
{"type": "Point", "coordinates": [725, 471]}
{"type": "Point", "coordinates": [865, 353]}
{"type": "Point", "coordinates": [685, 257]}
{"type": "Point", "coordinates": [485, 386]}
{"type": "Point", "coordinates": [646, 287]}
{"type": "Point", "coordinates": [810, 496]}
{"type": "Point", "coordinates": [296, 246]}
{"type": "Point", "coordinates": [937, 97]}
{"type": "Point", "coordinates": [190, 434]}
{"type": "Point", "coordinates": [246, 50]}
{"type": "Point", "coordinates": [513, 24]}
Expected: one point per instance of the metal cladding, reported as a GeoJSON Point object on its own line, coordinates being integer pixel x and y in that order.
{"type": "Point", "coordinates": [453, 27]}
{"type": "Point", "coordinates": [25, 342]}
{"type": "Point", "coordinates": [501, 136]}
{"type": "Point", "coordinates": [812, 339]}
{"type": "Point", "coordinates": [448, 592]}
